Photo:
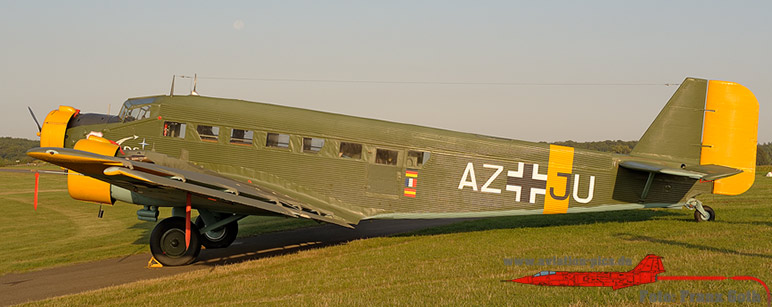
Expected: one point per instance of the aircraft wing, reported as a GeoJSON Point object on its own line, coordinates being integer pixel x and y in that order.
{"type": "Point", "coordinates": [216, 192]}
{"type": "Point", "coordinates": [703, 172]}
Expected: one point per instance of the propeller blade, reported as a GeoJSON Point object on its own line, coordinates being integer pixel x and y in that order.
{"type": "Point", "coordinates": [35, 118]}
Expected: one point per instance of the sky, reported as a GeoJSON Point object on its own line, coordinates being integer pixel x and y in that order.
{"type": "Point", "coordinates": [458, 65]}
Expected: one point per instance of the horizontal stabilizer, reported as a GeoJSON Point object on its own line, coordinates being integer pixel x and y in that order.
{"type": "Point", "coordinates": [702, 172]}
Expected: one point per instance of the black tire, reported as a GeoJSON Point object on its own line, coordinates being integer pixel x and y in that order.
{"type": "Point", "coordinates": [219, 238]}
{"type": "Point", "coordinates": [698, 216]}
{"type": "Point", "coordinates": [167, 242]}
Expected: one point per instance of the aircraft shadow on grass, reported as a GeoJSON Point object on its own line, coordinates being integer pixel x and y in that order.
{"type": "Point", "coordinates": [537, 221]}
{"type": "Point", "coordinates": [702, 247]}
{"type": "Point", "coordinates": [752, 223]}
{"type": "Point", "coordinates": [296, 240]}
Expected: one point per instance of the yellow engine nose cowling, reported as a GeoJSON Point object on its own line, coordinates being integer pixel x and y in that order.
{"type": "Point", "coordinates": [55, 126]}
{"type": "Point", "coordinates": [86, 188]}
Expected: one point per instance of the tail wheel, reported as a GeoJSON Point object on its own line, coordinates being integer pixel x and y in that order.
{"type": "Point", "coordinates": [218, 238]}
{"type": "Point", "coordinates": [699, 218]}
{"type": "Point", "coordinates": [167, 242]}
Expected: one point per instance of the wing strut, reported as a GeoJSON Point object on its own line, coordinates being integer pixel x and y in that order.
{"type": "Point", "coordinates": [647, 187]}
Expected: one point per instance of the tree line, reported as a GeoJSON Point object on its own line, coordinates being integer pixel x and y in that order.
{"type": "Point", "coordinates": [14, 150]}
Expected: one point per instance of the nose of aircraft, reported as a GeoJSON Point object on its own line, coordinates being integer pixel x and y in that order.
{"type": "Point", "coordinates": [52, 133]}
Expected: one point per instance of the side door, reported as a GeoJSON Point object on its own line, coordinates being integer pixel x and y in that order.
{"type": "Point", "coordinates": [384, 172]}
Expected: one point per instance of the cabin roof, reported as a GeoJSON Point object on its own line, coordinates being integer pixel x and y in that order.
{"type": "Point", "coordinates": [244, 114]}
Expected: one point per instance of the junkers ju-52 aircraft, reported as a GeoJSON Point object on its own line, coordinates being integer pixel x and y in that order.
{"type": "Point", "coordinates": [228, 159]}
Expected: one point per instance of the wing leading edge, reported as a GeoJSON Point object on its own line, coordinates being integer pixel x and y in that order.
{"type": "Point", "coordinates": [213, 190]}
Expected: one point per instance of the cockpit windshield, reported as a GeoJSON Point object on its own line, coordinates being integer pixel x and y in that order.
{"type": "Point", "coordinates": [135, 109]}
{"type": "Point", "coordinates": [543, 273]}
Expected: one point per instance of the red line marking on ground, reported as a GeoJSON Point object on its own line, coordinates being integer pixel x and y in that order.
{"type": "Point", "coordinates": [37, 183]}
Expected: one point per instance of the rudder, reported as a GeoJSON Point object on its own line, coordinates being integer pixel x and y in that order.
{"type": "Point", "coordinates": [730, 134]}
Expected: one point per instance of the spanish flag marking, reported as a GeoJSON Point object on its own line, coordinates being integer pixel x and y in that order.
{"type": "Point", "coordinates": [411, 173]}
{"type": "Point", "coordinates": [410, 192]}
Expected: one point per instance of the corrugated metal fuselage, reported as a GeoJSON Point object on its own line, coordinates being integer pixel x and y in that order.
{"type": "Point", "coordinates": [464, 175]}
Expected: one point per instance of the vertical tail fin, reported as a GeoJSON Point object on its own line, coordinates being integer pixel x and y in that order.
{"type": "Point", "coordinates": [707, 123]}
{"type": "Point", "coordinates": [676, 133]}
{"type": "Point", "coordinates": [651, 264]}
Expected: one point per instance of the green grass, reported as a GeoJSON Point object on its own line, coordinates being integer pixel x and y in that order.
{"type": "Point", "coordinates": [65, 231]}
{"type": "Point", "coordinates": [462, 264]}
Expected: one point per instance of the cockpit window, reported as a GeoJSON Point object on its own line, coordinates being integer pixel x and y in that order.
{"type": "Point", "coordinates": [543, 273]}
{"type": "Point", "coordinates": [135, 109]}
{"type": "Point", "coordinates": [137, 114]}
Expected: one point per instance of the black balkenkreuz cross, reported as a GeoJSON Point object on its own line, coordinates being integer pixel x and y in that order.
{"type": "Point", "coordinates": [527, 181]}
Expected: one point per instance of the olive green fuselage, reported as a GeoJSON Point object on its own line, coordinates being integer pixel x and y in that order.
{"type": "Point", "coordinates": [404, 171]}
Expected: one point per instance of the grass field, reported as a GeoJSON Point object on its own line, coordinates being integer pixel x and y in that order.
{"type": "Point", "coordinates": [65, 231]}
{"type": "Point", "coordinates": [459, 264]}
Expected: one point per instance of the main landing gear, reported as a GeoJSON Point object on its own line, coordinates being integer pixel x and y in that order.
{"type": "Point", "coordinates": [219, 237]}
{"type": "Point", "coordinates": [167, 241]}
{"type": "Point", "coordinates": [701, 213]}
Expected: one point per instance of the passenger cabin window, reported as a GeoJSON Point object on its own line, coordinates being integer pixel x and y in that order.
{"type": "Point", "coordinates": [417, 158]}
{"type": "Point", "coordinates": [174, 129]}
{"type": "Point", "coordinates": [277, 140]}
{"type": "Point", "coordinates": [312, 144]}
{"type": "Point", "coordinates": [385, 156]}
{"type": "Point", "coordinates": [350, 150]}
{"type": "Point", "coordinates": [239, 136]}
{"type": "Point", "coordinates": [208, 133]}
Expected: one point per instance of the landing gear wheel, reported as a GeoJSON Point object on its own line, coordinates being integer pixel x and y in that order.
{"type": "Point", "coordinates": [218, 238]}
{"type": "Point", "coordinates": [167, 242]}
{"type": "Point", "coordinates": [699, 218]}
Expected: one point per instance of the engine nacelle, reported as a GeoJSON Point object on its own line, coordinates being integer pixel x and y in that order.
{"type": "Point", "coordinates": [86, 188]}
